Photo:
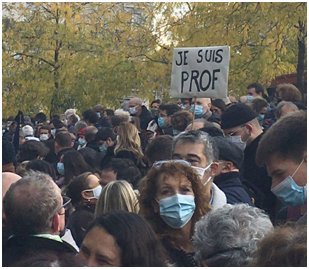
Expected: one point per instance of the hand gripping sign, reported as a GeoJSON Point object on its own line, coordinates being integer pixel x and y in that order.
{"type": "Point", "coordinates": [200, 72]}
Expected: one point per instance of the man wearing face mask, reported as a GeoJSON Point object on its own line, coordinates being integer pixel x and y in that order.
{"type": "Point", "coordinates": [165, 115]}
{"type": "Point", "coordinates": [137, 109]}
{"type": "Point", "coordinates": [283, 150]}
{"type": "Point", "coordinates": [197, 148]}
{"type": "Point", "coordinates": [106, 141]}
{"type": "Point", "coordinates": [201, 109]}
{"type": "Point", "coordinates": [242, 128]}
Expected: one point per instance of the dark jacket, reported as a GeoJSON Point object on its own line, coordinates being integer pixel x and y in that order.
{"type": "Point", "coordinates": [126, 154]}
{"type": "Point", "coordinates": [21, 247]}
{"type": "Point", "coordinates": [108, 155]}
{"type": "Point", "coordinates": [258, 178]}
{"type": "Point", "coordinates": [51, 156]}
{"type": "Point", "coordinates": [145, 117]}
{"type": "Point", "coordinates": [140, 163]}
{"type": "Point", "coordinates": [79, 222]}
{"type": "Point", "coordinates": [179, 258]}
{"type": "Point", "coordinates": [234, 190]}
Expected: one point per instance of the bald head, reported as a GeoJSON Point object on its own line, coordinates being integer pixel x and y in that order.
{"type": "Point", "coordinates": [135, 106]}
{"type": "Point", "coordinates": [90, 132]}
{"type": "Point", "coordinates": [8, 179]}
{"type": "Point", "coordinates": [134, 101]}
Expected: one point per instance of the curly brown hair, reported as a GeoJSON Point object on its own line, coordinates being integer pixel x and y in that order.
{"type": "Point", "coordinates": [148, 190]}
{"type": "Point", "coordinates": [288, 92]}
{"type": "Point", "coordinates": [286, 246]}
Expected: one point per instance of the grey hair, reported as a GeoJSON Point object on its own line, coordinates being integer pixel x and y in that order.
{"type": "Point", "coordinates": [138, 100]}
{"type": "Point", "coordinates": [31, 202]}
{"type": "Point", "coordinates": [228, 236]}
{"type": "Point", "coordinates": [278, 111]}
{"type": "Point", "coordinates": [198, 137]}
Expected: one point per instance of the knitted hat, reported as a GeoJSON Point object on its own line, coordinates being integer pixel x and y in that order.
{"type": "Point", "coordinates": [27, 130]}
{"type": "Point", "coordinates": [236, 115]}
{"type": "Point", "coordinates": [229, 151]}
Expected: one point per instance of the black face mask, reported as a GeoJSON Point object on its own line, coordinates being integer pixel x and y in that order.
{"type": "Point", "coordinates": [62, 232]}
{"type": "Point", "coordinates": [154, 112]}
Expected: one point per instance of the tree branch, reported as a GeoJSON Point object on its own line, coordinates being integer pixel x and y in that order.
{"type": "Point", "coordinates": [35, 57]}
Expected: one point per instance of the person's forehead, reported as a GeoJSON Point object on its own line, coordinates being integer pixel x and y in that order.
{"type": "Point", "coordinates": [176, 179]}
{"type": "Point", "coordinates": [92, 180]}
{"type": "Point", "coordinates": [251, 90]}
{"type": "Point", "coordinates": [99, 241]}
{"type": "Point", "coordinates": [278, 162]}
{"type": "Point", "coordinates": [155, 105]}
{"type": "Point", "coordinates": [163, 112]}
{"type": "Point", "coordinates": [203, 101]}
{"type": "Point", "coordinates": [134, 101]}
{"type": "Point", "coordinates": [189, 148]}
{"type": "Point", "coordinates": [43, 130]}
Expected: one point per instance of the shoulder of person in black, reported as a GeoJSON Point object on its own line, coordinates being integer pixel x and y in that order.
{"type": "Point", "coordinates": [19, 247]}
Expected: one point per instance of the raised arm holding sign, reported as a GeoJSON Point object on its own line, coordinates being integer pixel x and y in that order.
{"type": "Point", "coordinates": [200, 72]}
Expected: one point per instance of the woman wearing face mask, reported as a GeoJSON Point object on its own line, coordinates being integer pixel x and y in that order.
{"type": "Point", "coordinates": [172, 200]}
{"type": "Point", "coordinates": [71, 164]}
{"type": "Point", "coordinates": [84, 191]}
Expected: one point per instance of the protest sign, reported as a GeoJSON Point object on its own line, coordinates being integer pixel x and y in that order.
{"type": "Point", "coordinates": [200, 72]}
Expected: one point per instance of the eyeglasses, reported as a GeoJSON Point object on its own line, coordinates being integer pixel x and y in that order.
{"type": "Point", "coordinates": [159, 163]}
{"type": "Point", "coordinates": [65, 205]}
{"type": "Point", "coordinates": [232, 133]}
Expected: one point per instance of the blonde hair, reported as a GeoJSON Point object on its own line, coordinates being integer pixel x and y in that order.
{"type": "Point", "coordinates": [128, 139]}
{"type": "Point", "coordinates": [117, 195]}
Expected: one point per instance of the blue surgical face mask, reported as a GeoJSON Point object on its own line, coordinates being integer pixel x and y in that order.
{"type": "Point", "coordinates": [82, 141]}
{"type": "Point", "coordinates": [260, 117]}
{"type": "Point", "coordinates": [237, 141]}
{"type": "Point", "coordinates": [132, 110]}
{"type": "Point", "coordinates": [103, 148]}
{"type": "Point", "coordinates": [161, 122]}
{"type": "Point", "coordinates": [99, 114]}
{"type": "Point", "coordinates": [176, 132]}
{"type": "Point", "coordinates": [250, 98]}
{"type": "Point", "coordinates": [198, 110]}
{"type": "Point", "coordinates": [289, 192]}
{"type": "Point", "coordinates": [60, 168]}
{"type": "Point", "coordinates": [177, 210]}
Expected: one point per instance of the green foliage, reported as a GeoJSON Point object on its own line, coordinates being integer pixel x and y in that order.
{"type": "Point", "coordinates": [61, 55]}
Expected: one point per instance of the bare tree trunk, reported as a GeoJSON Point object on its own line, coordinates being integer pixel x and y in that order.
{"type": "Point", "coordinates": [301, 40]}
{"type": "Point", "coordinates": [55, 101]}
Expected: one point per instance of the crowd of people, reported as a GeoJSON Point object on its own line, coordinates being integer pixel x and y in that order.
{"type": "Point", "coordinates": [189, 182]}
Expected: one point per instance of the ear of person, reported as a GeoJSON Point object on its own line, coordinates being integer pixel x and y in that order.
{"type": "Point", "coordinates": [56, 223]}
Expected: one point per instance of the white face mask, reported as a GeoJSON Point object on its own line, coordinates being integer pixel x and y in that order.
{"type": "Point", "coordinates": [96, 192]}
{"type": "Point", "coordinates": [200, 170]}
{"type": "Point", "coordinates": [43, 137]}
{"type": "Point", "coordinates": [53, 132]}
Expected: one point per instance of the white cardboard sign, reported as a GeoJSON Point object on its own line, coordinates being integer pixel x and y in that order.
{"type": "Point", "coordinates": [200, 72]}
